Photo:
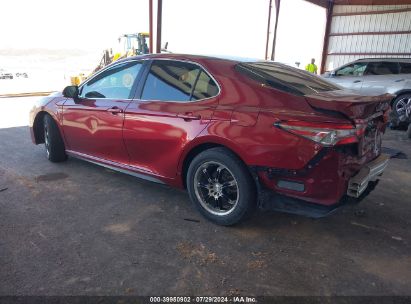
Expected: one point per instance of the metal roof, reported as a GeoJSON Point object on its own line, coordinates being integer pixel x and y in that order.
{"type": "Point", "coordinates": [384, 59]}
{"type": "Point", "coordinates": [325, 3]}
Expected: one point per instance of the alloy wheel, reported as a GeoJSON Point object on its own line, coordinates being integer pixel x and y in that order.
{"type": "Point", "coordinates": [403, 108]}
{"type": "Point", "coordinates": [216, 188]}
{"type": "Point", "coordinates": [47, 140]}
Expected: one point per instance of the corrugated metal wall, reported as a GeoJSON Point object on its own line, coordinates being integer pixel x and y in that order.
{"type": "Point", "coordinates": [346, 43]}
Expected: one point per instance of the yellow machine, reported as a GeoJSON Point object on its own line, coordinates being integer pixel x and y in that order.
{"type": "Point", "coordinates": [128, 45]}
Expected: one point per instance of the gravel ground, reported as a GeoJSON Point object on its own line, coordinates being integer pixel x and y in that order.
{"type": "Point", "coordinates": [78, 229]}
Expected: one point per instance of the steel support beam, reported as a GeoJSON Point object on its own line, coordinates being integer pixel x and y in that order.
{"type": "Point", "coordinates": [371, 33]}
{"type": "Point", "coordinates": [277, 13]}
{"type": "Point", "coordinates": [368, 54]}
{"type": "Point", "coordinates": [268, 29]}
{"type": "Point", "coordinates": [371, 2]}
{"type": "Point", "coordinates": [150, 26]}
{"type": "Point", "coordinates": [374, 12]}
{"type": "Point", "coordinates": [327, 35]}
{"type": "Point", "coordinates": [324, 3]}
{"type": "Point", "coordinates": [159, 21]}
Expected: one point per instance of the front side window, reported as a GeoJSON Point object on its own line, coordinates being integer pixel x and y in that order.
{"type": "Point", "coordinates": [114, 83]}
{"type": "Point", "coordinates": [382, 68]}
{"type": "Point", "coordinates": [177, 81]}
{"type": "Point", "coordinates": [355, 69]}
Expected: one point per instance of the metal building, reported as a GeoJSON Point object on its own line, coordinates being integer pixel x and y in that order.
{"type": "Point", "coordinates": [365, 29]}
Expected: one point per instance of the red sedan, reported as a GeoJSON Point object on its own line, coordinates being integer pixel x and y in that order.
{"type": "Point", "coordinates": [236, 135]}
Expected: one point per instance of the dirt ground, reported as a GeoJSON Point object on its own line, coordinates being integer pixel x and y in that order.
{"type": "Point", "coordinates": [78, 229]}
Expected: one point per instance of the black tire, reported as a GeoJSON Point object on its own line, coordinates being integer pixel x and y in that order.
{"type": "Point", "coordinates": [244, 193]}
{"type": "Point", "coordinates": [54, 144]}
{"type": "Point", "coordinates": [409, 131]}
{"type": "Point", "coordinates": [399, 118]}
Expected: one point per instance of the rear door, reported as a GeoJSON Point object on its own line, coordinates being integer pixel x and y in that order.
{"type": "Point", "coordinates": [173, 105]}
{"type": "Point", "coordinates": [378, 77]}
{"type": "Point", "coordinates": [405, 68]}
{"type": "Point", "coordinates": [93, 123]}
{"type": "Point", "coordinates": [350, 76]}
{"type": "Point", "coordinates": [405, 73]}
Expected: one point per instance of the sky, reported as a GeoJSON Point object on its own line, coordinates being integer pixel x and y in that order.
{"type": "Point", "coordinates": [212, 27]}
{"type": "Point", "coordinates": [78, 24]}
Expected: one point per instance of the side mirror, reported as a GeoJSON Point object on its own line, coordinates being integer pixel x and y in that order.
{"type": "Point", "coordinates": [70, 92]}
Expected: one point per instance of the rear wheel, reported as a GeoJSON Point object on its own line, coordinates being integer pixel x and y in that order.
{"type": "Point", "coordinates": [53, 142]}
{"type": "Point", "coordinates": [401, 111]}
{"type": "Point", "coordinates": [221, 187]}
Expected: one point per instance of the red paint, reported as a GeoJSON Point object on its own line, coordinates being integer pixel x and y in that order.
{"type": "Point", "coordinates": [153, 138]}
{"type": "Point", "coordinates": [155, 132]}
{"type": "Point", "coordinates": [86, 122]}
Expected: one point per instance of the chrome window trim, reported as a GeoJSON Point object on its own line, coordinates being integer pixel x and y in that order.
{"type": "Point", "coordinates": [103, 70]}
{"type": "Point", "coordinates": [153, 59]}
{"type": "Point", "coordinates": [184, 61]}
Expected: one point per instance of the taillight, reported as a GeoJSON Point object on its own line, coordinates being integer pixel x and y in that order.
{"type": "Point", "coordinates": [322, 133]}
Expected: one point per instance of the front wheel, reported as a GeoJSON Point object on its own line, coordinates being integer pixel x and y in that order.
{"type": "Point", "coordinates": [221, 187]}
{"type": "Point", "coordinates": [53, 142]}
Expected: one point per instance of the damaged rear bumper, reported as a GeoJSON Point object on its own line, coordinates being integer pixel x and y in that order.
{"type": "Point", "coordinates": [370, 172]}
{"type": "Point", "coordinates": [301, 202]}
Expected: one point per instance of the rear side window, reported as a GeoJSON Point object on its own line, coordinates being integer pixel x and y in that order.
{"type": "Point", "coordinates": [170, 80]}
{"type": "Point", "coordinates": [382, 68]}
{"type": "Point", "coordinates": [285, 78]}
{"type": "Point", "coordinates": [405, 67]}
{"type": "Point", "coordinates": [114, 83]}
{"type": "Point", "coordinates": [205, 87]}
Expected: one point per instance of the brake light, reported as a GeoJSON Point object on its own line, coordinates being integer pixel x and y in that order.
{"type": "Point", "coordinates": [322, 133]}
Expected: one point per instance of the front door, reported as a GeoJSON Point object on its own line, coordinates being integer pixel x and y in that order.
{"type": "Point", "coordinates": [93, 123]}
{"type": "Point", "coordinates": [350, 76]}
{"type": "Point", "coordinates": [176, 103]}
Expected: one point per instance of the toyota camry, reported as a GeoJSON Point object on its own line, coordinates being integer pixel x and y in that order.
{"type": "Point", "coordinates": [237, 135]}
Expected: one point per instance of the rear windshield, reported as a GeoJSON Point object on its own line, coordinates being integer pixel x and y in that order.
{"type": "Point", "coordinates": [285, 78]}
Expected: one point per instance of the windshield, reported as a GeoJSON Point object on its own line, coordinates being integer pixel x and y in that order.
{"type": "Point", "coordinates": [286, 78]}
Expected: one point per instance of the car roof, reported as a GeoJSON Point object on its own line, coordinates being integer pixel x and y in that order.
{"type": "Point", "coordinates": [384, 59]}
{"type": "Point", "coordinates": [188, 57]}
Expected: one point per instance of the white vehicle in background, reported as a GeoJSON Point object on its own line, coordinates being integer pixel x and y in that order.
{"type": "Point", "coordinates": [22, 75]}
{"type": "Point", "coordinates": [375, 76]}
{"type": "Point", "coordinates": [5, 75]}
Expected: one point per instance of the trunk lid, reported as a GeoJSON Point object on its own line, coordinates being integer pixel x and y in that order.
{"type": "Point", "coordinates": [349, 103]}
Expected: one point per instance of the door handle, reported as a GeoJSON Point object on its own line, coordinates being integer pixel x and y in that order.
{"type": "Point", "coordinates": [357, 81]}
{"type": "Point", "coordinates": [399, 80]}
{"type": "Point", "coordinates": [114, 110]}
{"type": "Point", "coordinates": [188, 116]}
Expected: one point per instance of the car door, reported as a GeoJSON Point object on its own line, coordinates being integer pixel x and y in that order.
{"type": "Point", "coordinates": [350, 76]}
{"type": "Point", "coordinates": [173, 105]}
{"type": "Point", "coordinates": [93, 123]}
{"type": "Point", "coordinates": [379, 76]}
